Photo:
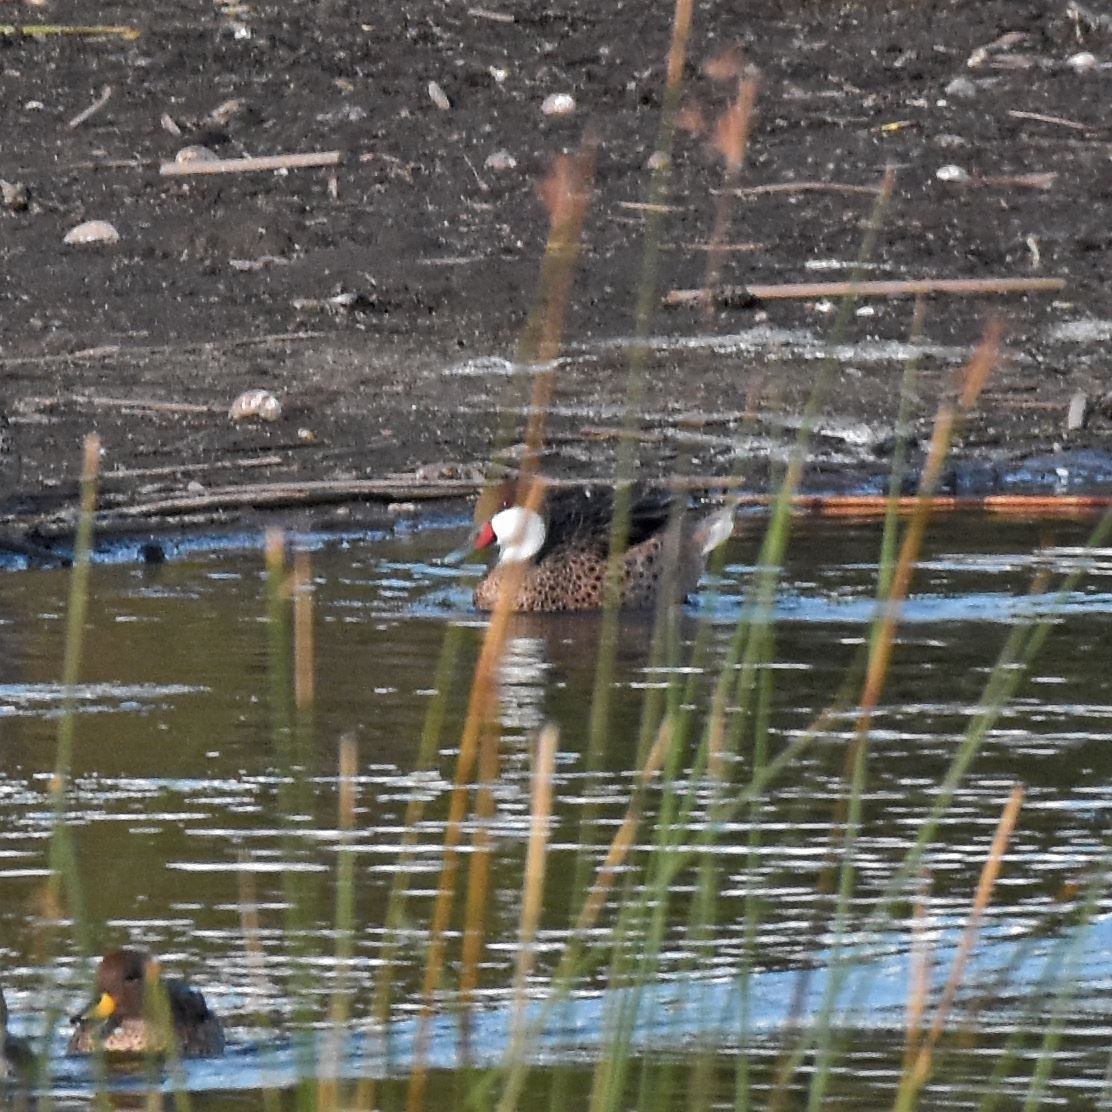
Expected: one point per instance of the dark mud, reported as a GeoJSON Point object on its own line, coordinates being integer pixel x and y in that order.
{"type": "Point", "coordinates": [224, 283]}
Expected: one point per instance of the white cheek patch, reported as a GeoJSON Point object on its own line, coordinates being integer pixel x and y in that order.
{"type": "Point", "coordinates": [520, 533]}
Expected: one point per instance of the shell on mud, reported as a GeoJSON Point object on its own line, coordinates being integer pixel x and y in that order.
{"type": "Point", "coordinates": [261, 405]}
{"type": "Point", "coordinates": [952, 173]}
{"type": "Point", "coordinates": [558, 104]}
{"type": "Point", "coordinates": [1082, 62]}
{"type": "Point", "coordinates": [500, 162]}
{"type": "Point", "coordinates": [439, 97]}
{"type": "Point", "coordinates": [93, 231]}
{"type": "Point", "coordinates": [195, 153]}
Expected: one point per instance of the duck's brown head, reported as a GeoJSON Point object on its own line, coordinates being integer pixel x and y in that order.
{"type": "Point", "coordinates": [120, 985]}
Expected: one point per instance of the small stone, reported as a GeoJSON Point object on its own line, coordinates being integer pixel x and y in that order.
{"type": "Point", "coordinates": [1082, 62]}
{"type": "Point", "coordinates": [499, 74]}
{"type": "Point", "coordinates": [500, 162]}
{"type": "Point", "coordinates": [194, 487]}
{"type": "Point", "coordinates": [961, 88]}
{"type": "Point", "coordinates": [195, 154]}
{"type": "Point", "coordinates": [92, 231]}
{"type": "Point", "coordinates": [557, 105]}
{"type": "Point", "coordinates": [401, 507]}
{"type": "Point", "coordinates": [260, 404]}
{"type": "Point", "coordinates": [14, 195]}
{"type": "Point", "coordinates": [306, 436]}
{"type": "Point", "coordinates": [658, 160]}
{"type": "Point", "coordinates": [439, 97]}
{"type": "Point", "coordinates": [952, 173]}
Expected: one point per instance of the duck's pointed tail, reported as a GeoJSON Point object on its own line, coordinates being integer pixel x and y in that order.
{"type": "Point", "coordinates": [714, 530]}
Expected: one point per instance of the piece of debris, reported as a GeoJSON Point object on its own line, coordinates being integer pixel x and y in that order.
{"type": "Point", "coordinates": [93, 231]}
{"type": "Point", "coordinates": [961, 88]}
{"type": "Point", "coordinates": [439, 97]}
{"type": "Point", "coordinates": [260, 404]}
{"type": "Point", "coordinates": [306, 436]}
{"type": "Point", "coordinates": [225, 110]}
{"type": "Point", "coordinates": [557, 105]}
{"type": "Point", "coordinates": [1078, 413]}
{"type": "Point", "coordinates": [93, 109]}
{"type": "Point", "coordinates": [500, 162]}
{"type": "Point", "coordinates": [14, 195]}
{"type": "Point", "coordinates": [345, 301]}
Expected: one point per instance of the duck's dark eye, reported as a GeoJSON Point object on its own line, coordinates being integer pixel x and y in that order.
{"type": "Point", "coordinates": [134, 977]}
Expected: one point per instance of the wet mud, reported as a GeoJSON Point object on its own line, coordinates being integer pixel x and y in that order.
{"type": "Point", "coordinates": [379, 300]}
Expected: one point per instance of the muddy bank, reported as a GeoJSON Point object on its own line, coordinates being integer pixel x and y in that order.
{"type": "Point", "coordinates": [379, 300]}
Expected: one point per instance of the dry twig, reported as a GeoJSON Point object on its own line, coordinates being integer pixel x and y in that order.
{"type": "Point", "coordinates": [247, 165]}
{"type": "Point", "coordinates": [910, 287]}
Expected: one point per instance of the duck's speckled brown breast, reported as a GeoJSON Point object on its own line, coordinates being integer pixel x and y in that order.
{"type": "Point", "coordinates": [570, 578]}
{"type": "Point", "coordinates": [136, 1036]}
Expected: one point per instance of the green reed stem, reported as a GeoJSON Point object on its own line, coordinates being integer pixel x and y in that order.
{"type": "Point", "coordinates": [64, 895]}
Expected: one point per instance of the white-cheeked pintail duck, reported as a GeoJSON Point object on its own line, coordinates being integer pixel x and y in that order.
{"type": "Point", "coordinates": [121, 1017]}
{"type": "Point", "coordinates": [565, 549]}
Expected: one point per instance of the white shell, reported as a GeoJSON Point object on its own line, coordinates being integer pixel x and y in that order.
{"type": "Point", "coordinates": [195, 154]}
{"type": "Point", "coordinates": [558, 104]}
{"type": "Point", "coordinates": [256, 403]}
{"type": "Point", "coordinates": [951, 173]}
{"type": "Point", "coordinates": [439, 97]}
{"type": "Point", "coordinates": [1082, 62]}
{"type": "Point", "coordinates": [500, 162]}
{"type": "Point", "coordinates": [93, 231]}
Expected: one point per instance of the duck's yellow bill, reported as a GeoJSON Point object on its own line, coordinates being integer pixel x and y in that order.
{"type": "Point", "coordinates": [103, 1008]}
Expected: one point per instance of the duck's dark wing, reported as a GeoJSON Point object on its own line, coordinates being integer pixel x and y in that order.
{"type": "Point", "coordinates": [200, 1033]}
{"type": "Point", "coordinates": [583, 518]}
{"type": "Point", "coordinates": [187, 1005]}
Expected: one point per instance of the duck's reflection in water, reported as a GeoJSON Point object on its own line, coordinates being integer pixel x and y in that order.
{"type": "Point", "coordinates": [550, 660]}
{"type": "Point", "coordinates": [522, 680]}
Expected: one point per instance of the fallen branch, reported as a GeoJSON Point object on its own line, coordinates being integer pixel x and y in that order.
{"type": "Point", "coordinates": [161, 349]}
{"type": "Point", "coordinates": [486, 13]}
{"type": "Point", "coordinates": [912, 287]}
{"type": "Point", "coordinates": [301, 494]}
{"type": "Point", "coordinates": [1061, 121]}
{"type": "Point", "coordinates": [247, 165]}
{"type": "Point", "coordinates": [646, 206]}
{"type": "Point", "coordinates": [193, 468]}
{"type": "Point", "coordinates": [141, 404]}
{"type": "Point", "coordinates": [42, 30]}
{"type": "Point", "coordinates": [805, 187]}
{"type": "Point", "coordinates": [1044, 180]}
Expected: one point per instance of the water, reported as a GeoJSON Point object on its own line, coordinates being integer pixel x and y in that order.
{"type": "Point", "coordinates": [190, 812]}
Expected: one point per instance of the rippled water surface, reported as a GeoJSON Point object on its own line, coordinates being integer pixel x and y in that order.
{"type": "Point", "coordinates": [207, 833]}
